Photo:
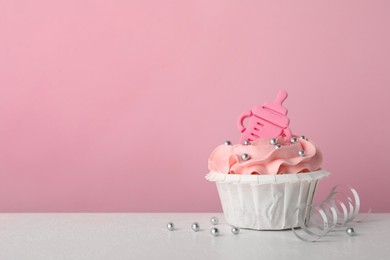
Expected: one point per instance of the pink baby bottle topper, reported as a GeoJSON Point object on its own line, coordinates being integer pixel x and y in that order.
{"type": "Point", "coordinates": [267, 121]}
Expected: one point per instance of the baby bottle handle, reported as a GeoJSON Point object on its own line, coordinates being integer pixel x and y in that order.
{"type": "Point", "coordinates": [240, 121]}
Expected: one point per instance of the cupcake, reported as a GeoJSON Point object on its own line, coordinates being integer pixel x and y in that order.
{"type": "Point", "coordinates": [269, 174]}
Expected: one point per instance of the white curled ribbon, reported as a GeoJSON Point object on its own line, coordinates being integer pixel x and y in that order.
{"type": "Point", "coordinates": [340, 207]}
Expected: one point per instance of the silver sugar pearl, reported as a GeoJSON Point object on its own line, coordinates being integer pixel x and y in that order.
{"type": "Point", "coordinates": [277, 146]}
{"type": "Point", "coordinates": [273, 141]}
{"type": "Point", "coordinates": [214, 231]}
{"type": "Point", "coordinates": [246, 142]}
{"type": "Point", "coordinates": [293, 140]}
{"type": "Point", "coordinates": [245, 157]}
{"type": "Point", "coordinates": [214, 220]}
{"type": "Point", "coordinates": [195, 226]}
{"type": "Point", "coordinates": [235, 230]}
{"type": "Point", "coordinates": [350, 231]}
{"type": "Point", "coordinates": [303, 137]}
{"type": "Point", "coordinates": [228, 142]}
{"type": "Point", "coordinates": [301, 153]}
{"type": "Point", "coordinates": [170, 226]}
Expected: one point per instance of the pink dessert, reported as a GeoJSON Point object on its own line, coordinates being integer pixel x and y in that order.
{"type": "Point", "coordinates": [269, 174]}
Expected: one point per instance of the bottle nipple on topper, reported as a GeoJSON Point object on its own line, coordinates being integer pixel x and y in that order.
{"type": "Point", "coordinates": [267, 121]}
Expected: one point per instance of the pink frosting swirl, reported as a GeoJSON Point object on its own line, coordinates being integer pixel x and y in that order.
{"type": "Point", "coordinates": [265, 159]}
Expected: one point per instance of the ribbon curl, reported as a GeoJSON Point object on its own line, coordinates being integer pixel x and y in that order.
{"type": "Point", "coordinates": [336, 211]}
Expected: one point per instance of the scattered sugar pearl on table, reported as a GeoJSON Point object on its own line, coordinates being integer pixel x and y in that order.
{"type": "Point", "coordinates": [246, 142]}
{"type": "Point", "coordinates": [195, 226]}
{"type": "Point", "coordinates": [214, 231]}
{"type": "Point", "coordinates": [235, 230]}
{"type": "Point", "coordinates": [350, 231]}
{"type": "Point", "coordinates": [214, 220]}
{"type": "Point", "coordinates": [227, 142]}
{"type": "Point", "coordinates": [303, 137]}
{"type": "Point", "coordinates": [170, 226]}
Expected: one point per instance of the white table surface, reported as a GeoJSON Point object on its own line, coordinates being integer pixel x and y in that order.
{"type": "Point", "coordinates": [144, 236]}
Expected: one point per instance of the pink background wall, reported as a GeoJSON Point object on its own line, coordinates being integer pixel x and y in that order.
{"type": "Point", "coordinates": [116, 105]}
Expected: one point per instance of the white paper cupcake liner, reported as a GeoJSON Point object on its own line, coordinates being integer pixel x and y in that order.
{"type": "Point", "coordinates": [265, 202]}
